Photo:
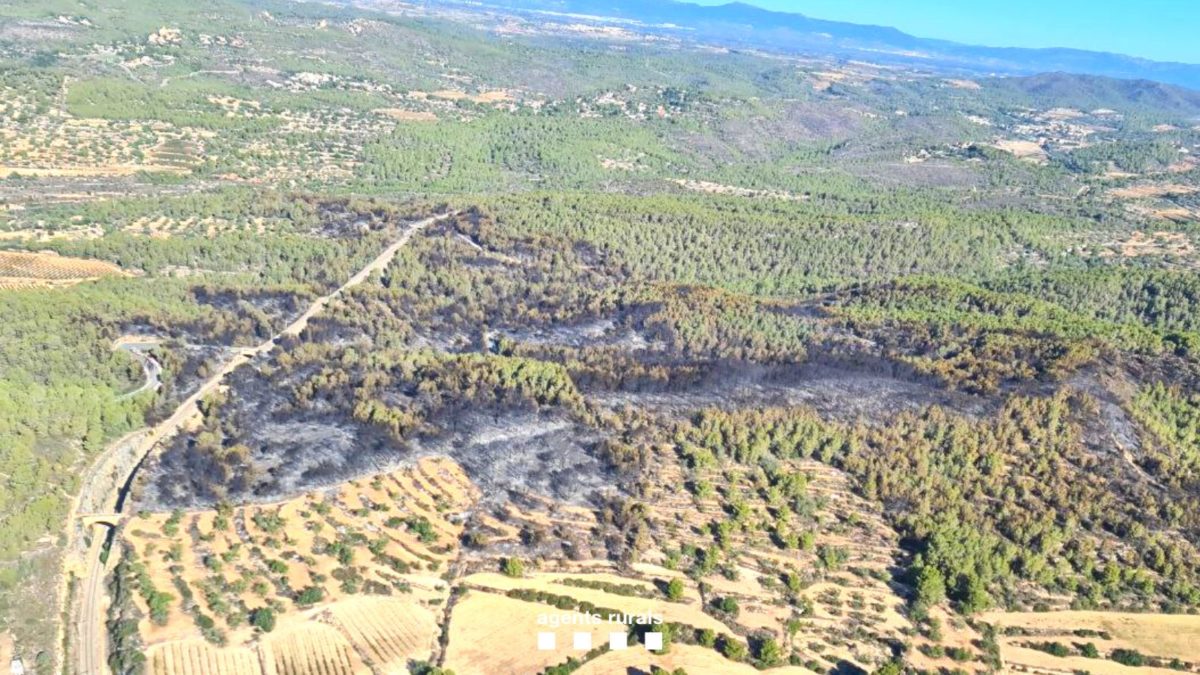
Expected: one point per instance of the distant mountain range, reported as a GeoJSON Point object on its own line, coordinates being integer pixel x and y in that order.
{"type": "Point", "coordinates": [740, 25]}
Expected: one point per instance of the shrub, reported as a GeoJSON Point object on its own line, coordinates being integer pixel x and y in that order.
{"type": "Point", "coordinates": [513, 567]}
{"type": "Point", "coordinates": [310, 595]}
{"type": "Point", "coordinates": [733, 649]}
{"type": "Point", "coordinates": [1128, 657]}
{"type": "Point", "coordinates": [263, 619]}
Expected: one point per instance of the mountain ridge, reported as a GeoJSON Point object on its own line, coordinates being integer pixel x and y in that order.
{"type": "Point", "coordinates": [738, 24]}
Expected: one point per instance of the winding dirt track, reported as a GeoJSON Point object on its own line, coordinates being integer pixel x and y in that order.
{"type": "Point", "coordinates": [88, 622]}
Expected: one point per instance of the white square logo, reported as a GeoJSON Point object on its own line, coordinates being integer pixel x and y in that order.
{"type": "Point", "coordinates": [545, 642]}
{"type": "Point", "coordinates": [618, 641]}
{"type": "Point", "coordinates": [654, 641]}
{"type": "Point", "coordinates": [582, 641]}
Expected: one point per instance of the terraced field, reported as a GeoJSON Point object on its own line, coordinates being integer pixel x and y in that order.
{"type": "Point", "coordinates": [382, 536]}
{"type": "Point", "coordinates": [1106, 643]}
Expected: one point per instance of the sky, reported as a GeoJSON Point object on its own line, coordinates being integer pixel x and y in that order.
{"type": "Point", "coordinates": [1163, 30]}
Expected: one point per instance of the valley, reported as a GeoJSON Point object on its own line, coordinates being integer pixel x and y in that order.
{"type": "Point", "coordinates": [387, 337]}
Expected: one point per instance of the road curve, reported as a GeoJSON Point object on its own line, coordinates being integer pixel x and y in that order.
{"type": "Point", "coordinates": [150, 368]}
{"type": "Point", "coordinates": [88, 622]}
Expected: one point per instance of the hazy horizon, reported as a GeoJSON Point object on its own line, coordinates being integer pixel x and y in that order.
{"type": "Point", "coordinates": [1156, 29]}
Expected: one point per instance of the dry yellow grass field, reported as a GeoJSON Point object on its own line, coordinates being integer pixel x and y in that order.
{"type": "Point", "coordinates": [359, 635]}
{"type": "Point", "coordinates": [686, 613]}
{"type": "Point", "coordinates": [1020, 659]}
{"type": "Point", "coordinates": [1027, 150]}
{"type": "Point", "coordinates": [43, 234]}
{"type": "Point", "coordinates": [963, 84]}
{"type": "Point", "coordinates": [695, 660]}
{"type": "Point", "coordinates": [491, 634]}
{"type": "Point", "coordinates": [407, 115]}
{"type": "Point", "coordinates": [854, 599]}
{"type": "Point", "coordinates": [1153, 190]}
{"type": "Point", "coordinates": [109, 170]}
{"type": "Point", "coordinates": [1154, 244]}
{"type": "Point", "coordinates": [1164, 635]}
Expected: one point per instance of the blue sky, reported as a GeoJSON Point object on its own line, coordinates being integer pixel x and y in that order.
{"type": "Point", "coordinates": [1165, 30]}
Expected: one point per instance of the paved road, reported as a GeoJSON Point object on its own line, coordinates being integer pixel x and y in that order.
{"type": "Point", "coordinates": [91, 644]}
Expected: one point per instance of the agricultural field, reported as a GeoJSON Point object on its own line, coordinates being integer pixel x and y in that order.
{"type": "Point", "coordinates": [389, 535]}
{"type": "Point", "coordinates": [1099, 642]}
{"type": "Point", "coordinates": [363, 337]}
{"type": "Point", "coordinates": [19, 269]}
{"type": "Point", "coordinates": [201, 582]}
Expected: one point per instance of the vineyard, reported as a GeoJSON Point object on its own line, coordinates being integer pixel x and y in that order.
{"type": "Point", "coordinates": [388, 634]}
{"type": "Point", "coordinates": [197, 657]}
{"type": "Point", "coordinates": [311, 649]}
{"type": "Point", "coordinates": [20, 269]}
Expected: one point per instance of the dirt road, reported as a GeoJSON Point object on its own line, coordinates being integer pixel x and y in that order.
{"type": "Point", "coordinates": [88, 622]}
{"type": "Point", "coordinates": [150, 367]}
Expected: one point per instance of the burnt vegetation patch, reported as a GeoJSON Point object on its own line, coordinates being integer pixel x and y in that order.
{"type": "Point", "coordinates": [555, 374]}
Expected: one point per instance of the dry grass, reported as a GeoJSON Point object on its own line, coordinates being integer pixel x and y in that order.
{"type": "Point", "coordinates": [164, 227]}
{"type": "Point", "coordinates": [1141, 244]}
{"type": "Point", "coordinates": [39, 234]}
{"type": "Point", "coordinates": [1023, 659]}
{"type": "Point", "coordinates": [40, 142]}
{"type": "Point", "coordinates": [386, 632]}
{"type": "Point", "coordinates": [688, 613]}
{"type": "Point", "coordinates": [407, 115]}
{"type": "Point", "coordinates": [719, 189]}
{"type": "Point", "coordinates": [237, 558]}
{"type": "Point", "coordinates": [1153, 190]}
{"type": "Point", "coordinates": [1162, 635]}
{"type": "Point", "coordinates": [841, 601]}
{"type": "Point", "coordinates": [692, 659]}
{"type": "Point", "coordinates": [491, 634]}
{"type": "Point", "coordinates": [486, 97]}
{"type": "Point", "coordinates": [106, 171]}
{"type": "Point", "coordinates": [1027, 150]}
{"type": "Point", "coordinates": [1176, 214]}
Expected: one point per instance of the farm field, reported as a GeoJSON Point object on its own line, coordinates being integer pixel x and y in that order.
{"type": "Point", "coordinates": [380, 535]}
{"type": "Point", "coordinates": [30, 270]}
{"type": "Point", "coordinates": [1170, 640]}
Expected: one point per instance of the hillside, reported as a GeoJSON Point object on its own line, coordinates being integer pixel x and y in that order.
{"type": "Point", "coordinates": [745, 26]}
{"type": "Point", "coordinates": [393, 338]}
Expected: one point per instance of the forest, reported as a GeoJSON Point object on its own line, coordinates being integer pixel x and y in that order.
{"type": "Point", "coordinates": [675, 282]}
